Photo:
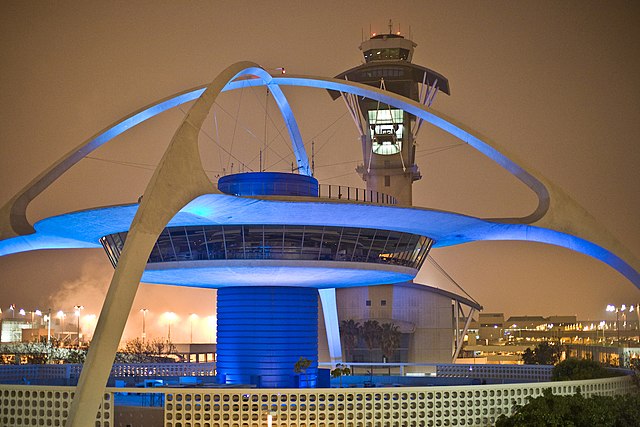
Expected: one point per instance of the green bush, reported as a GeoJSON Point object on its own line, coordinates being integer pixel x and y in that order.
{"type": "Point", "coordinates": [576, 411]}
{"type": "Point", "coordinates": [580, 369]}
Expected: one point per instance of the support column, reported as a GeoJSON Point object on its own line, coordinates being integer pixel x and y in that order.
{"type": "Point", "coordinates": [263, 331]}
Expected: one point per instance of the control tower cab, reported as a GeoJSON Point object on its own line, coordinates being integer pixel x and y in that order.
{"type": "Point", "coordinates": [388, 135]}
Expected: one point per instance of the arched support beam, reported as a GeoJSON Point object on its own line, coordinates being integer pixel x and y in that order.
{"type": "Point", "coordinates": [13, 219]}
{"type": "Point", "coordinates": [178, 179]}
{"type": "Point", "coordinates": [556, 210]}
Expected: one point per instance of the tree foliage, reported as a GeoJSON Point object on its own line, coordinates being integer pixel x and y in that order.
{"type": "Point", "coordinates": [389, 339]}
{"type": "Point", "coordinates": [576, 411]}
{"type": "Point", "coordinates": [579, 369]}
{"type": "Point", "coordinates": [350, 332]}
{"type": "Point", "coordinates": [301, 366]}
{"type": "Point", "coordinates": [544, 353]}
{"type": "Point", "coordinates": [371, 334]}
{"type": "Point", "coordinates": [340, 371]}
{"type": "Point", "coordinates": [155, 351]}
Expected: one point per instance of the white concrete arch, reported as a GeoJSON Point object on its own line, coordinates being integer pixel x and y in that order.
{"type": "Point", "coordinates": [13, 220]}
{"type": "Point", "coordinates": [178, 179]}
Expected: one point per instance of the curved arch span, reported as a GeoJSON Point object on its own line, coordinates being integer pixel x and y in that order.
{"type": "Point", "coordinates": [556, 210]}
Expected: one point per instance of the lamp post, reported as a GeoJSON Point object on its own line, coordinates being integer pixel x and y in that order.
{"type": "Point", "coordinates": [144, 319]}
{"type": "Point", "coordinates": [77, 309]}
{"type": "Point", "coordinates": [60, 315]}
{"type": "Point", "coordinates": [47, 318]}
{"type": "Point", "coordinates": [622, 309]}
{"type": "Point", "coordinates": [170, 315]}
{"type": "Point", "coordinates": [192, 317]}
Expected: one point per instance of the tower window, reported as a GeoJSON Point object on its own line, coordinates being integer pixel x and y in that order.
{"type": "Point", "coordinates": [368, 303]}
{"type": "Point", "coordinates": [387, 181]}
{"type": "Point", "coordinates": [383, 302]}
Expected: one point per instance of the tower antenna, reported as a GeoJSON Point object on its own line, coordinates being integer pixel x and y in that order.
{"type": "Point", "coordinates": [390, 26]}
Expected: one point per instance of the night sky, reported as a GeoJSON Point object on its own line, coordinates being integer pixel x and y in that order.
{"type": "Point", "coordinates": [556, 83]}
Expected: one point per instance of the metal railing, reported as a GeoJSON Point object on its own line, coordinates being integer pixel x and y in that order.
{"type": "Point", "coordinates": [355, 194]}
{"type": "Point", "coordinates": [71, 371]}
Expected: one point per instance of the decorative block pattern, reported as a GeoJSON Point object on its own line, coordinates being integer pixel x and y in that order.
{"type": "Point", "coordinates": [379, 407]}
{"type": "Point", "coordinates": [45, 406]}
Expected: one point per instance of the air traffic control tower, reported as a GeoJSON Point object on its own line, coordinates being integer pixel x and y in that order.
{"type": "Point", "coordinates": [388, 134]}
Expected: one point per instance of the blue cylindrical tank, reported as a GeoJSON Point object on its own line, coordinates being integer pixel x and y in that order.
{"type": "Point", "coordinates": [263, 331]}
{"type": "Point", "coordinates": [269, 184]}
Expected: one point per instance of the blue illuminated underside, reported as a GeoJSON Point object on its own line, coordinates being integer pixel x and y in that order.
{"type": "Point", "coordinates": [84, 229]}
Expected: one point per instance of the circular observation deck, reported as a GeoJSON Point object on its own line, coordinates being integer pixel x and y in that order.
{"type": "Point", "coordinates": [286, 255]}
{"type": "Point", "coordinates": [282, 255]}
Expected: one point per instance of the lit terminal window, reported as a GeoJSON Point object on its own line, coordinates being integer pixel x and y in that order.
{"type": "Point", "coordinates": [388, 54]}
{"type": "Point", "coordinates": [386, 131]}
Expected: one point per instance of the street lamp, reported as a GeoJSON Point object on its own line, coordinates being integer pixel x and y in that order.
{"type": "Point", "coordinates": [622, 309]}
{"type": "Point", "coordinates": [47, 318]}
{"type": "Point", "coordinates": [60, 315]}
{"type": "Point", "coordinates": [144, 327]}
{"type": "Point", "coordinates": [171, 316]}
{"type": "Point", "coordinates": [77, 309]}
{"type": "Point", "coordinates": [34, 313]}
{"type": "Point", "coordinates": [192, 317]}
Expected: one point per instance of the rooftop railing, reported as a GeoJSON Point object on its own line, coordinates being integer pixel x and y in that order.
{"type": "Point", "coordinates": [327, 191]}
{"type": "Point", "coordinates": [356, 194]}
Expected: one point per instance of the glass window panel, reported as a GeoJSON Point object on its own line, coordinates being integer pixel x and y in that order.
{"type": "Point", "coordinates": [233, 239]}
{"type": "Point", "coordinates": [215, 242]}
{"type": "Point", "coordinates": [347, 244]}
{"type": "Point", "coordinates": [364, 243]}
{"type": "Point", "coordinates": [377, 248]}
{"type": "Point", "coordinates": [253, 241]}
{"type": "Point", "coordinates": [180, 244]}
{"type": "Point", "coordinates": [166, 246]}
{"type": "Point", "coordinates": [281, 242]}
{"type": "Point", "coordinates": [196, 239]}
{"type": "Point", "coordinates": [330, 241]}
{"type": "Point", "coordinates": [312, 242]}
{"type": "Point", "coordinates": [273, 241]}
{"type": "Point", "coordinates": [292, 241]}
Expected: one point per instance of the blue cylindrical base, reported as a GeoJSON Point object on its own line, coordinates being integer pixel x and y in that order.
{"type": "Point", "coordinates": [263, 331]}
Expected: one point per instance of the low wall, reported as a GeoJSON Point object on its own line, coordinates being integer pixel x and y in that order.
{"type": "Point", "coordinates": [474, 405]}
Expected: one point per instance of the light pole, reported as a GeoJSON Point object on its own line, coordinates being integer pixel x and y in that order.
{"type": "Point", "coordinates": [622, 309]}
{"type": "Point", "coordinates": [60, 315]}
{"type": "Point", "coordinates": [144, 327]}
{"type": "Point", "coordinates": [192, 317]}
{"type": "Point", "coordinates": [170, 315]}
{"type": "Point", "coordinates": [77, 309]}
{"type": "Point", "coordinates": [47, 318]}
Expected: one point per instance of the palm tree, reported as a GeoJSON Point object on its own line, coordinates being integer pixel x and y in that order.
{"type": "Point", "coordinates": [371, 336]}
{"type": "Point", "coordinates": [389, 340]}
{"type": "Point", "coordinates": [350, 331]}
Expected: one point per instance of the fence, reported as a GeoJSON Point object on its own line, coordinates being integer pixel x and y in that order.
{"type": "Point", "coordinates": [44, 373]}
{"type": "Point", "coordinates": [355, 194]}
{"type": "Point", "coordinates": [476, 405]}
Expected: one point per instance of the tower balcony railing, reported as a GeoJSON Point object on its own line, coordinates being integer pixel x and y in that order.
{"type": "Point", "coordinates": [342, 192]}
{"type": "Point", "coordinates": [327, 191]}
